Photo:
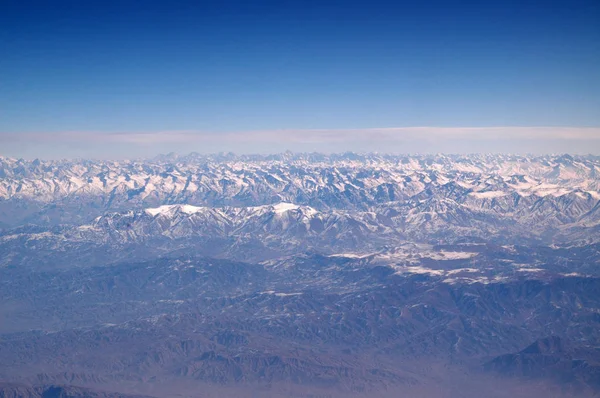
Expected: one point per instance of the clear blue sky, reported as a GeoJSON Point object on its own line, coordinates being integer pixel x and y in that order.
{"type": "Point", "coordinates": [221, 67]}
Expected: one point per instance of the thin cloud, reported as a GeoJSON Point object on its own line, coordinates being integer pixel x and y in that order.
{"type": "Point", "coordinates": [314, 136]}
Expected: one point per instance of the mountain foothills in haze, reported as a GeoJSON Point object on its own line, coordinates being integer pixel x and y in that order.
{"type": "Point", "coordinates": [301, 275]}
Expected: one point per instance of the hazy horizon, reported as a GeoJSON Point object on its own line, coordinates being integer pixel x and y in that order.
{"type": "Point", "coordinates": [403, 140]}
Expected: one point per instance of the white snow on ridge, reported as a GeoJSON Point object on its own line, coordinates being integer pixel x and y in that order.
{"type": "Point", "coordinates": [420, 270]}
{"type": "Point", "coordinates": [280, 294]}
{"type": "Point", "coordinates": [283, 207]}
{"type": "Point", "coordinates": [350, 255]}
{"type": "Point", "coordinates": [279, 208]}
{"type": "Point", "coordinates": [462, 270]}
{"type": "Point", "coordinates": [188, 209]}
{"type": "Point", "coordinates": [158, 210]}
{"type": "Point", "coordinates": [595, 195]}
{"type": "Point", "coordinates": [444, 255]}
{"type": "Point", "coordinates": [411, 255]}
{"type": "Point", "coordinates": [488, 194]}
{"type": "Point", "coordinates": [167, 209]}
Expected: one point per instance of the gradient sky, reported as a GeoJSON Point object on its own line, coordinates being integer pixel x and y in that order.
{"type": "Point", "coordinates": [132, 78]}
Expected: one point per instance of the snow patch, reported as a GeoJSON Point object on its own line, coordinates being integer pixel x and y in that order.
{"type": "Point", "coordinates": [422, 270]}
{"type": "Point", "coordinates": [441, 256]}
{"type": "Point", "coordinates": [350, 255]}
{"type": "Point", "coordinates": [461, 270]}
{"type": "Point", "coordinates": [279, 294]}
{"type": "Point", "coordinates": [488, 194]}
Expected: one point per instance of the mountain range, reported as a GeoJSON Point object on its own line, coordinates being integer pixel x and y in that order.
{"type": "Point", "coordinates": [301, 275]}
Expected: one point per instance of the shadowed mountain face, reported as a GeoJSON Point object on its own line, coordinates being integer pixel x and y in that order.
{"type": "Point", "coordinates": [302, 276]}
{"type": "Point", "coordinates": [12, 390]}
{"type": "Point", "coordinates": [575, 367]}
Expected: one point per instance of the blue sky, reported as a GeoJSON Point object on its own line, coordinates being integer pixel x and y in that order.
{"type": "Point", "coordinates": [114, 79]}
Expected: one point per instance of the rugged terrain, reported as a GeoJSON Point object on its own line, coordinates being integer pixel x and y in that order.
{"type": "Point", "coordinates": [301, 275]}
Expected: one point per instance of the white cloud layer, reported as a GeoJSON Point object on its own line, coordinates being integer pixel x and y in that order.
{"type": "Point", "coordinates": [388, 134]}
{"type": "Point", "coordinates": [392, 139]}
